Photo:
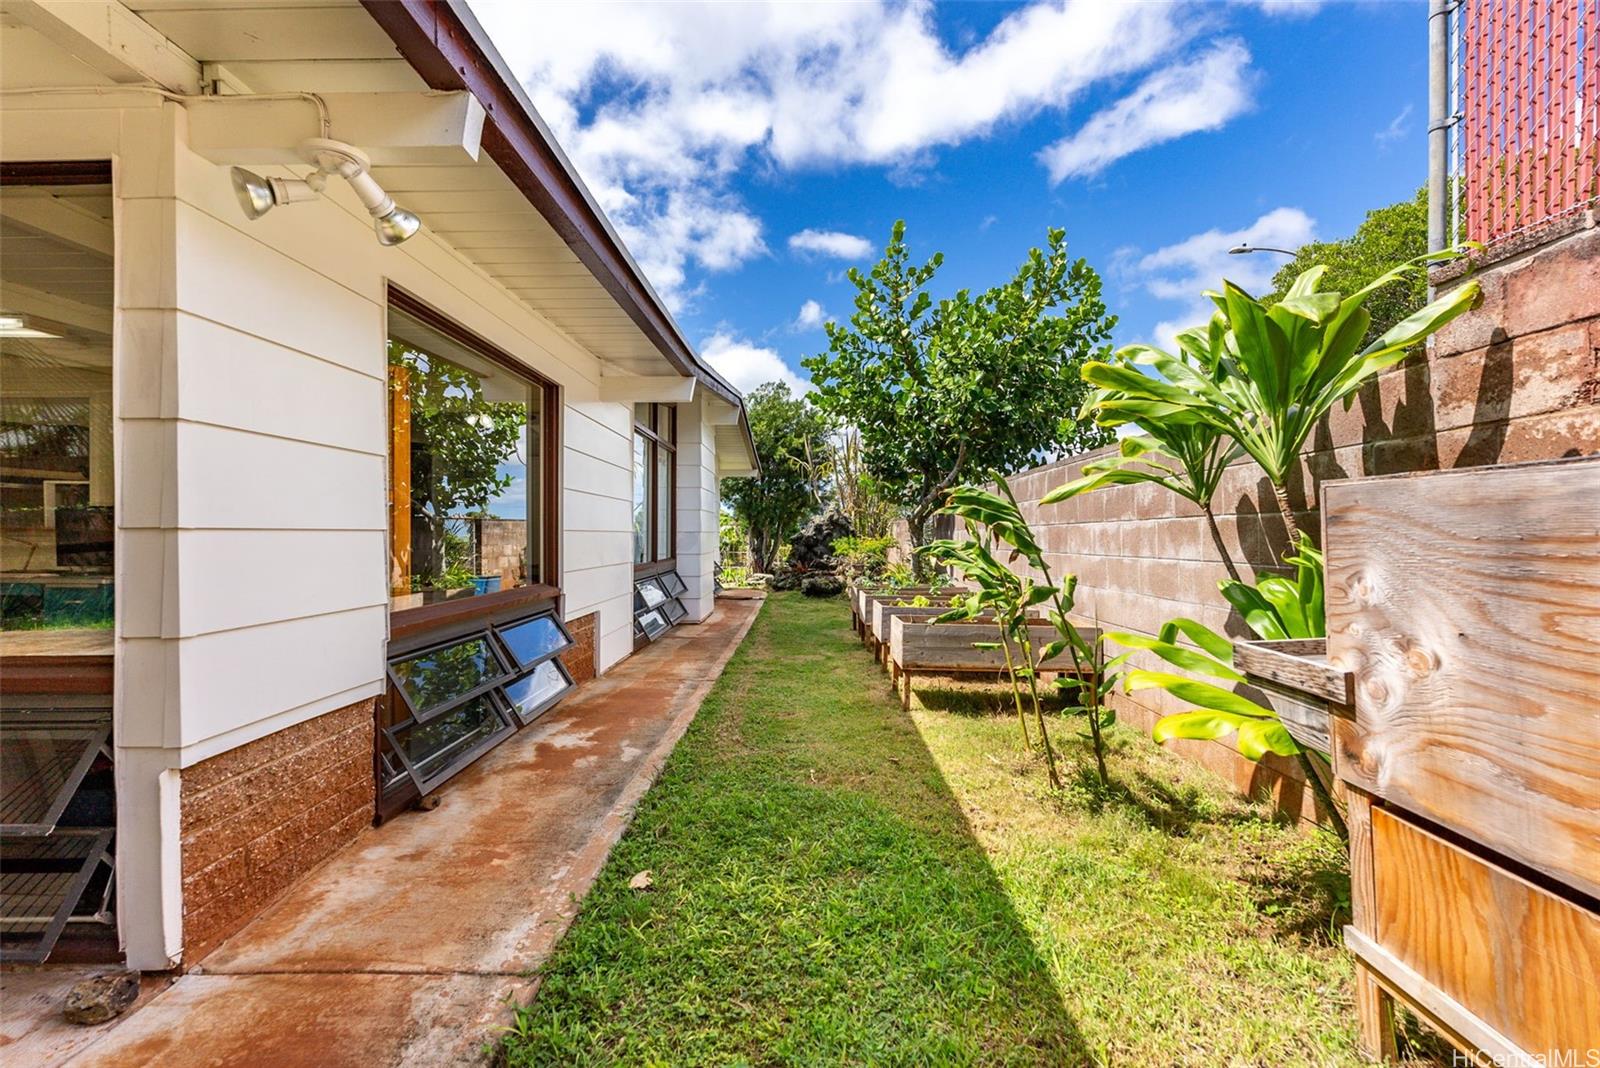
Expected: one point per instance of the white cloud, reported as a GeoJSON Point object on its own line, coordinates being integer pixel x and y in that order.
{"type": "Point", "coordinates": [1398, 127]}
{"type": "Point", "coordinates": [1181, 272]}
{"type": "Point", "coordinates": [660, 105]}
{"type": "Point", "coordinates": [812, 315]}
{"type": "Point", "coordinates": [1200, 95]}
{"type": "Point", "coordinates": [1287, 8]}
{"type": "Point", "coordinates": [833, 243]}
{"type": "Point", "coordinates": [746, 365]}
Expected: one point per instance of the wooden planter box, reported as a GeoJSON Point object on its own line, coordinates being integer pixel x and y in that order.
{"type": "Point", "coordinates": [923, 648]}
{"type": "Point", "coordinates": [862, 600]}
{"type": "Point", "coordinates": [1297, 682]}
{"type": "Point", "coordinates": [1464, 602]}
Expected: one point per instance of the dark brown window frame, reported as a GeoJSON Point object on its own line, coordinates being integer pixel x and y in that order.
{"type": "Point", "coordinates": [668, 443]}
{"type": "Point", "coordinates": [408, 624]}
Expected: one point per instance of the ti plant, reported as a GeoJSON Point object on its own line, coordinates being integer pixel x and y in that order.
{"type": "Point", "coordinates": [1092, 681]}
{"type": "Point", "coordinates": [1265, 376]}
{"type": "Point", "coordinates": [1001, 516]}
{"type": "Point", "coordinates": [1184, 455]}
{"type": "Point", "coordinates": [1005, 597]}
{"type": "Point", "coordinates": [1275, 608]}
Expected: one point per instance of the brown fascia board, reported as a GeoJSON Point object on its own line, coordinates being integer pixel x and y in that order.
{"type": "Point", "coordinates": [449, 50]}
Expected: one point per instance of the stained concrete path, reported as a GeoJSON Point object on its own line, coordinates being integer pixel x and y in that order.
{"type": "Point", "coordinates": [406, 947]}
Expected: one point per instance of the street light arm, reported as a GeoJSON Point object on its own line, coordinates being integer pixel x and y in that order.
{"type": "Point", "coordinates": [1245, 250]}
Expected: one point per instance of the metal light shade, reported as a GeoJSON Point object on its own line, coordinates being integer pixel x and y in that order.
{"type": "Point", "coordinates": [254, 193]}
{"type": "Point", "coordinates": [395, 226]}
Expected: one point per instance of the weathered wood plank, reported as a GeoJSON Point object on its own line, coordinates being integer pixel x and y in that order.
{"type": "Point", "coordinates": [1296, 664]}
{"type": "Point", "coordinates": [1521, 959]}
{"type": "Point", "coordinates": [1374, 1006]}
{"type": "Point", "coordinates": [1466, 604]}
{"type": "Point", "coordinates": [1304, 716]}
{"type": "Point", "coordinates": [930, 648]}
{"type": "Point", "coordinates": [1458, 1023]}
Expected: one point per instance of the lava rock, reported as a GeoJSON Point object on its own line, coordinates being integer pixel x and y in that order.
{"type": "Point", "coordinates": [101, 997]}
{"type": "Point", "coordinates": [822, 585]}
{"type": "Point", "coordinates": [812, 548]}
{"type": "Point", "coordinates": [784, 580]}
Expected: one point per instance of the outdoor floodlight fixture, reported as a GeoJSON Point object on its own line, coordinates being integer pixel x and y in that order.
{"type": "Point", "coordinates": [258, 195]}
{"type": "Point", "coordinates": [1245, 250]}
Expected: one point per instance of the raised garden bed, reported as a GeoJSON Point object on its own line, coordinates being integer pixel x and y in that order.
{"type": "Point", "coordinates": [1297, 682]}
{"type": "Point", "coordinates": [925, 648]}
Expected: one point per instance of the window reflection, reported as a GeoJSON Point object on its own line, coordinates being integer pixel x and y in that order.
{"type": "Point", "coordinates": [465, 469]}
{"type": "Point", "coordinates": [57, 526]}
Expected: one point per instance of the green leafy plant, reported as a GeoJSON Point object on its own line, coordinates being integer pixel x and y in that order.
{"type": "Point", "coordinates": [862, 559]}
{"type": "Point", "coordinates": [1280, 367]}
{"type": "Point", "coordinates": [1185, 456]}
{"type": "Point", "coordinates": [1000, 517]}
{"type": "Point", "coordinates": [940, 390]}
{"type": "Point", "coordinates": [1006, 597]}
{"type": "Point", "coordinates": [1278, 607]}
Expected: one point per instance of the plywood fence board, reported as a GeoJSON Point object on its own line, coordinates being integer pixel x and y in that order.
{"type": "Point", "coordinates": [1520, 958]}
{"type": "Point", "coordinates": [1466, 605]}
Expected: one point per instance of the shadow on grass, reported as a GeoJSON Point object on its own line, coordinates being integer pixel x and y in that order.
{"type": "Point", "coordinates": [818, 894]}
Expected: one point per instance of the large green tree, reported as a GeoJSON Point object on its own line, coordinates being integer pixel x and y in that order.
{"type": "Point", "coordinates": [792, 444]}
{"type": "Point", "coordinates": [1389, 235]}
{"type": "Point", "coordinates": [951, 390]}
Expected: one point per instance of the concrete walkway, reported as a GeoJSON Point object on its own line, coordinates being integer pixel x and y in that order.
{"type": "Point", "coordinates": [407, 947]}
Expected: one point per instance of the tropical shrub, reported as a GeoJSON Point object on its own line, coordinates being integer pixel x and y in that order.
{"type": "Point", "coordinates": [1279, 368]}
{"type": "Point", "coordinates": [861, 559]}
{"type": "Point", "coordinates": [999, 515]}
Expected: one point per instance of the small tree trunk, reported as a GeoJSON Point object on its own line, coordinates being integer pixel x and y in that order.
{"type": "Point", "coordinates": [1016, 688]}
{"type": "Point", "coordinates": [1222, 549]}
{"type": "Point", "coordinates": [1038, 712]}
{"type": "Point", "coordinates": [1282, 495]}
{"type": "Point", "coordinates": [917, 522]}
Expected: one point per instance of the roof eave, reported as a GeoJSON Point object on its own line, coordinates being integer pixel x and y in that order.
{"type": "Point", "coordinates": [450, 50]}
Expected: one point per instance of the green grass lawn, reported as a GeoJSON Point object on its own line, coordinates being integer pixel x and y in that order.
{"type": "Point", "coordinates": [839, 882]}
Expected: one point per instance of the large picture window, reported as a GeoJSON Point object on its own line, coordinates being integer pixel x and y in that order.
{"type": "Point", "coordinates": [469, 466]}
{"type": "Point", "coordinates": [56, 473]}
{"type": "Point", "coordinates": [655, 447]}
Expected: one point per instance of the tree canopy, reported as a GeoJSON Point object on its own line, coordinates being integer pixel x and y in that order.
{"type": "Point", "coordinates": [791, 442]}
{"type": "Point", "coordinates": [1396, 233]}
{"type": "Point", "coordinates": [954, 389]}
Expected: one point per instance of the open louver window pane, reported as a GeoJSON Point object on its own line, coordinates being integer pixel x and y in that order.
{"type": "Point", "coordinates": [657, 605]}
{"type": "Point", "coordinates": [435, 678]}
{"type": "Point", "coordinates": [536, 639]}
{"type": "Point", "coordinates": [453, 702]}
{"type": "Point", "coordinates": [653, 623]}
{"type": "Point", "coordinates": [436, 750]}
{"type": "Point", "coordinates": [42, 881]}
{"type": "Point", "coordinates": [535, 692]}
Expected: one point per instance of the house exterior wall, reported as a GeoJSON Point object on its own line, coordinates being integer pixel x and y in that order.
{"type": "Point", "coordinates": [1517, 379]}
{"type": "Point", "coordinates": [699, 506]}
{"type": "Point", "coordinates": [252, 447]}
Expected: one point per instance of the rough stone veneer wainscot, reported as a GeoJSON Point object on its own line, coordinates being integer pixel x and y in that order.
{"type": "Point", "coordinates": [580, 658]}
{"type": "Point", "coordinates": [258, 817]}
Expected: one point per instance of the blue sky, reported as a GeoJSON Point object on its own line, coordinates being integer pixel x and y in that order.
{"type": "Point", "coordinates": [750, 153]}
